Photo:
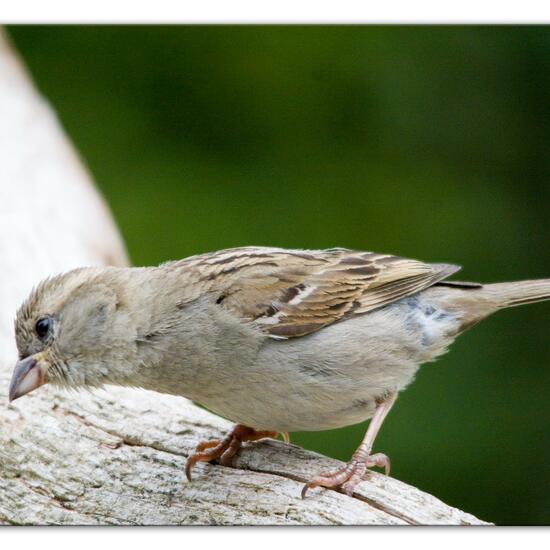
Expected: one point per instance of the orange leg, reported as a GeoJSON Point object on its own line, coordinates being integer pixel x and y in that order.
{"type": "Point", "coordinates": [349, 475]}
{"type": "Point", "coordinates": [224, 449]}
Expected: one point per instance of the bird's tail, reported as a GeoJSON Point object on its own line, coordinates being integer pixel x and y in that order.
{"type": "Point", "coordinates": [517, 293]}
{"type": "Point", "coordinates": [473, 302]}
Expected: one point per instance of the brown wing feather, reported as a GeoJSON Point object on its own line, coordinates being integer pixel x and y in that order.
{"type": "Point", "coordinates": [290, 293]}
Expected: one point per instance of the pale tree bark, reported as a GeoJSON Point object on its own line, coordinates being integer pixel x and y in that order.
{"type": "Point", "coordinates": [116, 456]}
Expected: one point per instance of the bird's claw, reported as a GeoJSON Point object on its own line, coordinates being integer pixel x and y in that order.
{"type": "Point", "coordinates": [224, 449]}
{"type": "Point", "coordinates": [348, 476]}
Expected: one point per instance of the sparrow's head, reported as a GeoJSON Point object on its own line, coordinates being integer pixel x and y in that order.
{"type": "Point", "coordinates": [69, 331]}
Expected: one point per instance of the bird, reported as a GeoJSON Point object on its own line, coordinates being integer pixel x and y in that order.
{"type": "Point", "coordinates": [275, 340]}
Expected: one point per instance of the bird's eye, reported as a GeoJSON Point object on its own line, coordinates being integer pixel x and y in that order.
{"type": "Point", "coordinates": [43, 327]}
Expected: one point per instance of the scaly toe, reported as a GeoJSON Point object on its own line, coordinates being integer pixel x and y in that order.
{"type": "Point", "coordinates": [206, 445]}
{"type": "Point", "coordinates": [224, 449]}
{"type": "Point", "coordinates": [226, 458]}
{"type": "Point", "coordinates": [205, 452]}
{"type": "Point", "coordinates": [347, 477]}
{"type": "Point", "coordinates": [329, 480]}
{"type": "Point", "coordinates": [359, 470]}
{"type": "Point", "coordinates": [380, 460]}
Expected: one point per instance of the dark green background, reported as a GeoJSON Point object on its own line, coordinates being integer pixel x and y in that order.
{"type": "Point", "coordinates": [428, 142]}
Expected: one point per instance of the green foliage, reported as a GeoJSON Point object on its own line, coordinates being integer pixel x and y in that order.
{"type": "Point", "coordinates": [428, 142]}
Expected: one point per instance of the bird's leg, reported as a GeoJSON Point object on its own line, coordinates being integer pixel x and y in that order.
{"type": "Point", "coordinates": [224, 449]}
{"type": "Point", "coordinates": [349, 475]}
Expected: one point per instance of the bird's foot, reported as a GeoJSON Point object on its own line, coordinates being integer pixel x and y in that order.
{"type": "Point", "coordinates": [224, 449]}
{"type": "Point", "coordinates": [348, 476]}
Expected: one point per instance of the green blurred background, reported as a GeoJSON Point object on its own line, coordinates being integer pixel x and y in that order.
{"type": "Point", "coordinates": [428, 142]}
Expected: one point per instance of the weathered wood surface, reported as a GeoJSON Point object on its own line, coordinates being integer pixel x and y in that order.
{"type": "Point", "coordinates": [116, 456]}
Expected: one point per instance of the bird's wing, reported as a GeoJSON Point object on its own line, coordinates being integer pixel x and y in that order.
{"type": "Point", "coordinates": [291, 293]}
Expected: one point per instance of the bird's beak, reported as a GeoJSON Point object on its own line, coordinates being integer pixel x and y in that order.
{"type": "Point", "coordinates": [28, 375]}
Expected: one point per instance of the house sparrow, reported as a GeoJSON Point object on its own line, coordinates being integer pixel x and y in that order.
{"type": "Point", "coordinates": [275, 340]}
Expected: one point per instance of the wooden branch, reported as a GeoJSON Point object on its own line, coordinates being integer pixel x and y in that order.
{"type": "Point", "coordinates": [116, 456]}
